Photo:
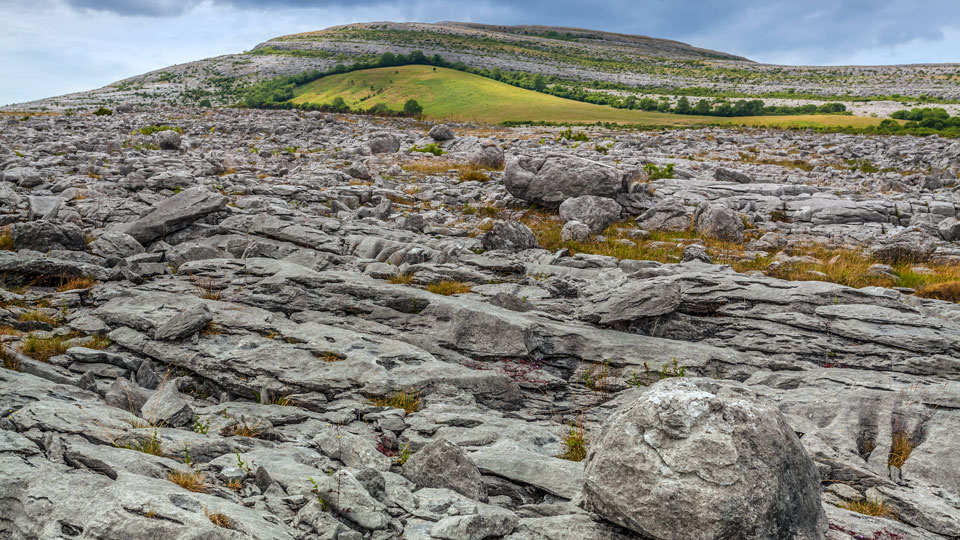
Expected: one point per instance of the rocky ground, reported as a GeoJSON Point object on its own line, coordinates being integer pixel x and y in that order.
{"type": "Point", "coordinates": [281, 325]}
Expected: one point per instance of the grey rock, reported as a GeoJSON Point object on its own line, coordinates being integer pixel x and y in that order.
{"type": "Point", "coordinates": [167, 407]}
{"type": "Point", "coordinates": [949, 229]}
{"type": "Point", "coordinates": [127, 396]}
{"type": "Point", "coordinates": [440, 132]}
{"type": "Point", "coordinates": [382, 143]}
{"type": "Point", "coordinates": [669, 214]}
{"type": "Point", "coordinates": [596, 212]}
{"type": "Point", "coordinates": [726, 175]}
{"type": "Point", "coordinates": [575, 231]}
{"type": "Point", "coordinates": [912, 245]}
{"type": "Point", "coordinates": [168, 139]}
{"type": "Point", "coordinates": [718, 221]}
{"type": "Point", "coordinates": [551, 474]}
{"type": "Point", "coordinates": [184, 324]}
{"type": "Point", "coordinates": [510, 236]}
{"type": "Point", "coordinates": [175, 213]}
{"type": "Point", "coordinates": [551, 180]}
{"type": "Point", "coordinates": [703, 459]}
{"type": "Point", "coordinates": [442, 464]}
{"type": "Point", "coordinates": [44, 236]}
{"type": "Point", "coordinates": [115, 245]}
{"type": "Point", "coordinates": [696, 252]}
{"type": "Point", "coordinates": [488, 156]}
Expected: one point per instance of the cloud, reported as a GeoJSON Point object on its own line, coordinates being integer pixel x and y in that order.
{"type": "Point", "coordinates": [148, 8]}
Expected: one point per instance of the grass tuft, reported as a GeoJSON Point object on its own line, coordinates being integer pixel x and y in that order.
{"type": "Point", "coordinates": [869, 507]}
{"type": "Point", "coordinates": [44, 348]}
{"type": "Point", "coordinates": [98, 342]}
{"type": "Point", "coordinates": [6, 241]}
{"type": "Point", "coordinates": [220, 520]}
{"type": "Point", "coordinates": [83, 282]}
{"type": "Point", "coordinates": [447, 288]}
{"type": "Point", "coordinates": [576, 443]}
{"type": "Point", "coordinates": [409, 401]}
{"type": "Point", "coordinates": [401, 279]}
{"type": "Point", "coordinates": [194, 481]}
{"type": "Point", "coordinates": [901, 447]}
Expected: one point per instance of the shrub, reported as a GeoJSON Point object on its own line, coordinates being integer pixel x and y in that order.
{"type": "Point", "coordinates": [103, 111]}
{"type": "Point", "coordinates": [412, 108]}
{"type": "Point", "coordinates": [431, 148]}
{"type": "Point", "coordinates": [569, 135]}
{"type": "Point", "coordinates": [153, 128]}
{"type": "Point", "coordinates": [656, 173]}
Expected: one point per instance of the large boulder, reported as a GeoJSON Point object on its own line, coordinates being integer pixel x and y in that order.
{"type": "Point", "coordinates": [488, 156]}
{"type": "Point", "coordinates": [699, 459]}
{"type": "Point", "coordinates": [509, 235]}
{"type": "Point", "coordinates": [669, 214]}
{"type": "Point", "coordinates": [949, 229]}
{"type": "Point", "coordinates": [595, 212]}
{"type": "Point", "coordinates": [555, 178]}
{"type": "Point", "coordinates": [718, 221]}
{"type": "Point", "coordinates": [46, 235]}
{"type": "Point", "coordinates": [442, 464]}
{"type": "Point", "coordinates": [168, 139]}
{"type": "Point", "coordinates": [383, 143]}
{"type": "Point", "coordinates": [115, 245]}
{"type": "Point", "coordinates": [726, 175]}
{"type": "Point", "coordinates": [440, 132]}
{"type": "Point", "coordinates": [911, 245]}
{"type": "Point", "coordinates": [175, 213]}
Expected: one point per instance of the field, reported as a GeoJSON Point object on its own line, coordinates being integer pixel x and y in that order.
{"type": "Point", "coordinates": [447, 94]}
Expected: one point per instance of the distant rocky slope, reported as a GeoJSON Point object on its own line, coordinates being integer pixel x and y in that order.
{"type": "Point", "coordinates": [243, 324]}
{"type": "Point", "coordinates": [569, 53]}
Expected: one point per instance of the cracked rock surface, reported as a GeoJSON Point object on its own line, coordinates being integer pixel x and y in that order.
{"type": "Point", "coordinates": [331, 336]}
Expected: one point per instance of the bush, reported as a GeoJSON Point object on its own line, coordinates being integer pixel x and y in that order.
{"type": "Point", "coordinates": [412, 108]}
{"type": "Point", "coordinates": [656, 173]}
{"type": "Point", "coordinates": [103, 111]}
{"type": "Point", "coordinates": [431, 148]}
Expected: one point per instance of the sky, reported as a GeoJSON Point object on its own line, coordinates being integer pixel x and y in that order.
{"type": "Point", "coordinates": [53, 47]}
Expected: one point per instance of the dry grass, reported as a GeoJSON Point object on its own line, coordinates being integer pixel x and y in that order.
{"type": "Point", "coordinates": [842, 266]}
{"type": "Point", "coordinates": [330, 356]}
{"type": "Point", "coordinates": [37, 316]}
{"type": "Point", "coordinates": [211, 329]}
{"type": "Point", "coordinates": [235, 485]}
{"type": "Point", "coordinates": [788, 163]}
{"type": "Point", "coordinates": [6, 241]}
{"type": "Point", "coordinates": [869, 507]}
{"type": "Point", "coordinates": [447, 288]}
{"type": "Point", "coordinates": [83, 282]}
{"type": "Point", "coordinates": [43, 349]}
{"type": "Point", "coordinates": [901, 447]}
{"type": "Point", "coordinates": [189, 480]}
{"type": "Point", "coordinates": [98, 342]}
{"type": "Point", "coordinates": [409, 401]}
{"type": "Point", "coordinates": [949, 291]}
{"type": "Point", "coordinates": [576, 443]}
{"type": "Point", "coordinates": [401, 279]}
{"type": "Point", "coordinates": [243, 429]}
{"type": "Point", "coordinates": [220, 520]}
{"type": "Point", "coordinates": [210, 288]}
{"type": "Point", "coordinates": [9, 360]}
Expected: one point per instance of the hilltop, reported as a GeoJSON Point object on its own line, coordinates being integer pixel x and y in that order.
{"type": "Point", "coordinates": [577, 57]}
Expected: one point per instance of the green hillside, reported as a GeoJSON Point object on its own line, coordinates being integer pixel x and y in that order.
{"type": "Point", "coordinates": [447, 94]}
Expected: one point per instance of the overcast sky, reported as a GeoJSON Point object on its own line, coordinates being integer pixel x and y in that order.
{"type": "Point", "coordinates": [52, 47]}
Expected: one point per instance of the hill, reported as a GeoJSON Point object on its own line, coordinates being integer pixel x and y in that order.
{"type": "Point", "coordinates": [447, 94]}
{"type": "Point", "coordinates": [574, 56]}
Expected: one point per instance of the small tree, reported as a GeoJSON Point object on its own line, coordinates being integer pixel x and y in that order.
{"type": "Point", "coordinates": [412, 108]}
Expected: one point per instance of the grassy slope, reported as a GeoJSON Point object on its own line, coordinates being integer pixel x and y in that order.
{"type": "Point", "coordinates": [447, 94]}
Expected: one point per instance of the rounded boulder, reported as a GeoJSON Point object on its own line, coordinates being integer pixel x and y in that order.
{"type": "Point", "coordinates": [699, 459]}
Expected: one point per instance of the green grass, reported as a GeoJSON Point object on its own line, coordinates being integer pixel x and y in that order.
{"type": "Point", "coordinates": [447, 94]}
